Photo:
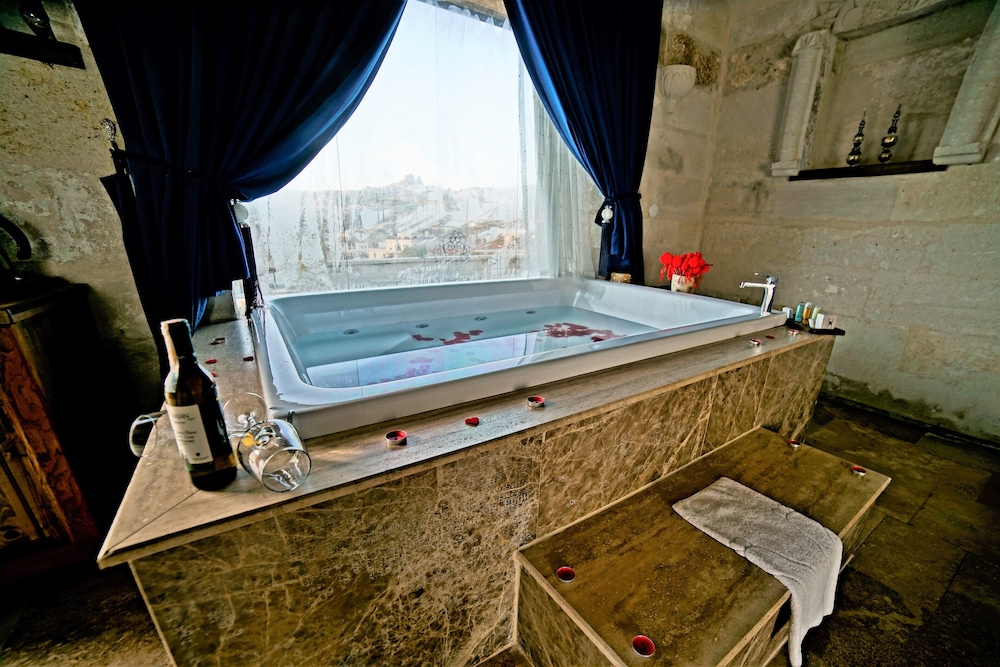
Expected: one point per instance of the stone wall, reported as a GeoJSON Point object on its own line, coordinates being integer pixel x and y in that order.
{"type": "Point", "coordinates": [52, 153]}
{"type": "Point", "coordinates": [420, 570]}
{"type": "Point", "coordinates": [678, 163]}
{"type": "Point", "coordinates": [909, 263]}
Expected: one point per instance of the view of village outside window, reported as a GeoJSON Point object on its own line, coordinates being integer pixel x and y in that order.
{"type": "Point", "coordinates": [432, 179]}
{"type": "Point", "coordinates": [403, 233]}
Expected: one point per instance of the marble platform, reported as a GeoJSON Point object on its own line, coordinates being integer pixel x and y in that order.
{"type": "Point", "coordinates": [405, 556]}
{"type": "Point", "coordinates": [642, 569]}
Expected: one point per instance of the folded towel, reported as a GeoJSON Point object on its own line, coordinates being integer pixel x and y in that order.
{"type": "Point", "coordinates": [797, 551]}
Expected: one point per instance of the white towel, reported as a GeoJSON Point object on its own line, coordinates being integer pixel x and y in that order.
{"type": "Point", "coordinates": [799, 552]}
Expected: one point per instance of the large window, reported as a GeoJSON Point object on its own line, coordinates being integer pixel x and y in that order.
{"type": "Point", "coordinates": [435, 178]}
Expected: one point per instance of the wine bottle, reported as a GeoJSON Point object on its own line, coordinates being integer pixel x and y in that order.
{"type": "Point", "coordinates": [195, 412]}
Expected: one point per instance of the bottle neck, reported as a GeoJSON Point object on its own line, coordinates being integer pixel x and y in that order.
{"type": "Point", "coordinates": [177, 338]}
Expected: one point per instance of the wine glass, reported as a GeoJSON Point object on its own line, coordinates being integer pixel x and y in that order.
{"type": "Point", "coordinates": [242, 412]}
{"type": "Point", "coordinates": [140, 431]}
{"type": "Point", "coordinates": [269, 449]}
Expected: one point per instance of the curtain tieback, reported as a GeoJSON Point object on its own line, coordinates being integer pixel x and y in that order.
{"type": "Point", "coordinates": [608, 204]}
{"type": "Point", "coordinates": [233, 192]}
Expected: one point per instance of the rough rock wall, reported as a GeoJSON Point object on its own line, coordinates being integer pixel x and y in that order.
{"type": "Point", "coordinates": [52, 153]}
{"type": "Point", "coordinates": [909, 263]}
{"type": "Point", "coordinates": [681, 138]}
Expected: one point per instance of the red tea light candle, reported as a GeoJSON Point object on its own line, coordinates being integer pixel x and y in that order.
{"type": "Point", "coordinates": [859, 471]}
{"type": "Point", "coordinates": [395, 438]}
{"type": "Point", "coordinates": [643, 645]}
{"type": "Point", "coordinates": [794, 444]}
{"type": "Point", "coordinates": [536, 402]}
{"type": "Point", "coordinates": [565, 574]}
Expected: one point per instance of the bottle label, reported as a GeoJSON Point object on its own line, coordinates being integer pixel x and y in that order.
{"type": "Point", "coordinates": [189, 431]}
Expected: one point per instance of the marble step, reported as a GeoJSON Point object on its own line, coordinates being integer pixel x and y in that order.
{"type": "Point", "coordinates": [640, 569]}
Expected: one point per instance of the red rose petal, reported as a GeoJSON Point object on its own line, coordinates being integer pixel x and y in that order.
{"type": "Point", "coordinates": [212, 361]}
{"type": "Point", "coordinates": [249, 357]}
{"type": "Point", "coordinates": [472, 421]}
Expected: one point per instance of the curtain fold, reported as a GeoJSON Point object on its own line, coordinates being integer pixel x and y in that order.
{"type": "Point", "coordinates": [215, 101]}
{"type": "Point", "coordinates": [565, 195]}
{"type": "Point", "coordinates": [594, 67]}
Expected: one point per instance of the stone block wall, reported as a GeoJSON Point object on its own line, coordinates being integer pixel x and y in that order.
{"type": "Point", "coordinates": [678, 163]}
{"type": "Point", "coordinates": [907, 262]}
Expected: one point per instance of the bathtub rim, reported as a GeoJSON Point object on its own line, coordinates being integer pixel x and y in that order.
{"type": "Point", "coordinates": [313, 415]}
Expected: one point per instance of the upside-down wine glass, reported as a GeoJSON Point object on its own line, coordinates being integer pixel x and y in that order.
{"type": "Point", "coordinates": [269, 449]}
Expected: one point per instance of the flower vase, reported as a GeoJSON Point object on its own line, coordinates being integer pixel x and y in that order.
{"type": "Point", "coordinates": [679, 283]}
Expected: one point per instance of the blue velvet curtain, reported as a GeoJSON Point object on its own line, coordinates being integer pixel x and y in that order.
{"type": "Point", "coordinates": [593, 64]}
{"type": "Point", "coordinates": [218, 100]}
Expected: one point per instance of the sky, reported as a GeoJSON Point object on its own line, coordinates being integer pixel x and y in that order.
{"type": "Point", "coordinates": [443, 107]}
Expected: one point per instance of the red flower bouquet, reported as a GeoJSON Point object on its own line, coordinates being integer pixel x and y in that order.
{"type": "Point", "coordinates": [691, 265]}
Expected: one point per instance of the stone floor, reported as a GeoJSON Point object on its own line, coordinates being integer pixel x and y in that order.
{"type": "Point", "coordinates": [924, 589]}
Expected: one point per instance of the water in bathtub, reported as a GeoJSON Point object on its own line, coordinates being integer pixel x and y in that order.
{"type": "Point", "coordinates": [373, 355]}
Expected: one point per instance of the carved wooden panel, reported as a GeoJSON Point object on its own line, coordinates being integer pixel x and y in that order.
{"type": "Point", "coordinates": [44, 519]}
{"type": "Point", "coordinates": [16, 525]}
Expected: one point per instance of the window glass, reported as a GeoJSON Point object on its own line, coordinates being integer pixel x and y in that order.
{"type": "Point", "coordinates": [432, 179]}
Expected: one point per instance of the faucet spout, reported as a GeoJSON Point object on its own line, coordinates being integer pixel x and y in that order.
{"type": "Point", "coordinates": [770, 282]}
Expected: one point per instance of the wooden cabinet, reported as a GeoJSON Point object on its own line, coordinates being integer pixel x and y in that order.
{"type": "Point", "coordinates": [46, 336]}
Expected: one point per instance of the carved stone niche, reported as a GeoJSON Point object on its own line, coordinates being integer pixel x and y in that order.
{"type": "Point", "coordinates": [971, 122]}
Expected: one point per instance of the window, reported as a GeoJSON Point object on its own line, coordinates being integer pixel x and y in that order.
{"type": "Point", "coordinates": [433, 178]}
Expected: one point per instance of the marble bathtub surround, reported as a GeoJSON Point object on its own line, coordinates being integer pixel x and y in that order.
{"type": "Point", "coordinates": [405, 556]}
{"type": "Point", "coordinates": [160, 511]}
{"type": "Point", "coordinates": [543, 626]}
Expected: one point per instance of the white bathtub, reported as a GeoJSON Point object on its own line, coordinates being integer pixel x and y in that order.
{"type": "Point", "coordinates": [304, 343]}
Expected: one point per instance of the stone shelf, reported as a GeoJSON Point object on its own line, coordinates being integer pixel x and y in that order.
{"type": "Point", "coordinates": [866, 170]}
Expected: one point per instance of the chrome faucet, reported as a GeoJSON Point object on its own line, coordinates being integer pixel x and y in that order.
{"type": "Point", "coordinates": [770, 282]}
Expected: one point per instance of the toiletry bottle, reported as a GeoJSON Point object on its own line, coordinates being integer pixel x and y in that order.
{"type": "Point", "coordinates": [807, 311]}
{"type": "Point", "coordinates": [799, 311]}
